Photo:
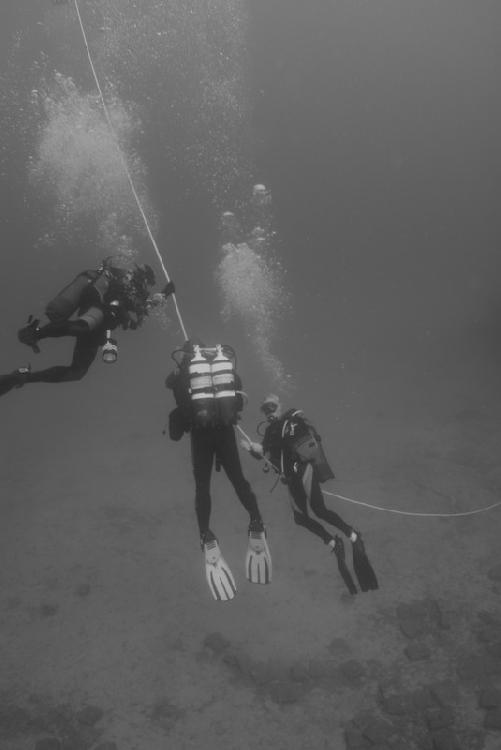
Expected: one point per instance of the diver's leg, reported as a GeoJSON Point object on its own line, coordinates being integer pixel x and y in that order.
{"type": "Point", "coordinates": [89, 321]}
{"type": "Point", "coordinates": [66, 328]}
{"type": "Point", "coordinates": [84, 354]}
{"type": "Point", "coordinates": [31, 333]}
{"type": "Point", "coordinates": [299, 503]}
{"type": "Point", "coordinates": [202, 456]}
{"type": "Point", "coordinates": [317, 504]}
{"type": "Point", "coordinates": [227, 453]}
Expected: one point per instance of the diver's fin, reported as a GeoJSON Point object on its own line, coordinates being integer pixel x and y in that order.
{"type": "Point", "coordinates": [7, 382]}
{"type": "Point", "coordinates": [337, 546]}
{"type": "Point", "coordinates": [363, 569]}
{"type": "Point", "coordinates": [219, 575]}
{"type": "Point", "coordinates": [258, 567]}
{"type": "Point", "coordinates": [14, 379]}
{"type": "Point", "coordinates": [29, 334]}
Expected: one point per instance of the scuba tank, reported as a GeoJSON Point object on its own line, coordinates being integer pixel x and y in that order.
{"type": "Point", "coordinates": [306, 446]}
{"type": "Point", "coordinates": [68, 300]}
{"type": "Point", "coordinates": [223, 381]}
{"type": "Point", "coordinates": [203, 403]}
{"type": "Point", "coordinates": [110, 349]}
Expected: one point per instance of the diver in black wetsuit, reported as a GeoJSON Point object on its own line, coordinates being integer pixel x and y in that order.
{"type": "Point", "coordinates": [104, 299]}
{"type": "Point", "coordinates": [284, 431]}
{"type": "Point", "coordinates": [293, 447]}
{"type": "Point", "coordinates": [212, 440]}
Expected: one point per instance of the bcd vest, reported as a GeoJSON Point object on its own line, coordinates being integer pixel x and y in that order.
{"type": "Point", "coordinates": [211, 386]}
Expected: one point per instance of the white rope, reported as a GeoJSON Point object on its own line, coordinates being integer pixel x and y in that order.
{"type": "Point", "coordinates": [126, 168]}
{"type": "Point", "coordinates": [411, 513]}
{"type": "Point", "coordinates": [392, 510]}
{"type": "Point", "coordinates": [266, 461]}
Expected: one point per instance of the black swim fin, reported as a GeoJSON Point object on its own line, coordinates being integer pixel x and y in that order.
{"type": "Point", "coordinates": [7, 383]}
{"type": "Point", "coordinates": [14, 379]}
{"type": "Point", "coordinates": [341, 564]}
{"type": "Point", "coordinates": [361, 565]}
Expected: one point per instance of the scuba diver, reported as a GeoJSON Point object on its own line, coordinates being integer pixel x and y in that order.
{"type": "Point", "coordinates": [293, 447]}
{"type": "Point", "coordinates": [102, 300]}
{"type": "Point", "coordinates": [209, 399]}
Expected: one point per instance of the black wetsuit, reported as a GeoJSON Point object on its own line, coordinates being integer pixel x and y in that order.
{"type": "Point", "coordinates": [87, 343]}
{"type": "Point", "coordinates": [278, 443]}
{"type": "Point", "coordinates": [95, 317]}
{"type": "Point", "coordinates": [112, 298]}
{"type": "Point", "coordinates": [213, 444]}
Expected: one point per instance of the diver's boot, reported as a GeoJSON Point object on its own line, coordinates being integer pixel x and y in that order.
{"type": "Point", "coordinates": [29, 334]}
{"type": "Point", "coordinates": [206, 536]}
{"type": "Point", "coordinates": [256, 525]}
{"type": "Point", "coordinates": [14, 379]}
{"type": "Point", "coordinates": [22, 374]}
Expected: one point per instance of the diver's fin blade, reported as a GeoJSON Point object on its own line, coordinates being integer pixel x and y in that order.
{"type": "Point", "coordinates": [258, 565]}
{"type": "Point", "coordinates": [7, 383]}
{"type": "Point", "coordinates": [341, 564]}
{"type": "Point", "coordinates": [347, 577]}
{"type": "Point", "coordinates": [363, 569]}
{"type": "Point", "coordinates": [219, 576]}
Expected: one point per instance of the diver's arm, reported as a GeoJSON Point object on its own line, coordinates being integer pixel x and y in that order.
{"type": "Point", "coordinates": [159, 297]}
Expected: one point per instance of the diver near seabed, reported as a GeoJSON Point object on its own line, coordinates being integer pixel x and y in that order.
{"type": "Point", "coordinates": [89, 309]}
{"type": "Point", "coordinates": [293, 447]}
{"type": "Point", "coordinates": [209, 399]}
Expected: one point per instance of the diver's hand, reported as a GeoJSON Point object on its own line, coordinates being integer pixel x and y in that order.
{"type": "Point", "coordinates": [168, 289]}
{"type": "Point", "coordinates": [155, 300]}
{"type": "Point", "coordinates": [255, 449]}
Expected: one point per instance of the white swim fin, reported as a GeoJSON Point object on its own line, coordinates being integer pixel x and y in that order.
{"type": "Point", "coordinates": [258, 567]}
{"type": "Point", "coordinates": [219, 576]}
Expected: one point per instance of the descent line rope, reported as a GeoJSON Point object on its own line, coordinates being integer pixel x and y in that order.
{"type": "Point", "coordinates": [126, 168]}
{"type": "Point", "coordinates": [414, 514]}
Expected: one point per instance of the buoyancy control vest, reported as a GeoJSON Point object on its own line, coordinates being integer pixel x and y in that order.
{"type": "Point", "coordinates": [304, 444]}
{"type": "Point", "coordinates": [212, 390]}
{"type": "Point", "coordinates": [71, 297]}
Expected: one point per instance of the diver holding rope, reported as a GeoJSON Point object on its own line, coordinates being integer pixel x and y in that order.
{"type": "Point", "coordinates": [209, 400]}
{"type": "Point", "coordinates": [293, 447]}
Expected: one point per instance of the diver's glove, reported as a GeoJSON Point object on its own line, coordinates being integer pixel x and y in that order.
{"type": "Point", "coordinates": [168, 289]}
